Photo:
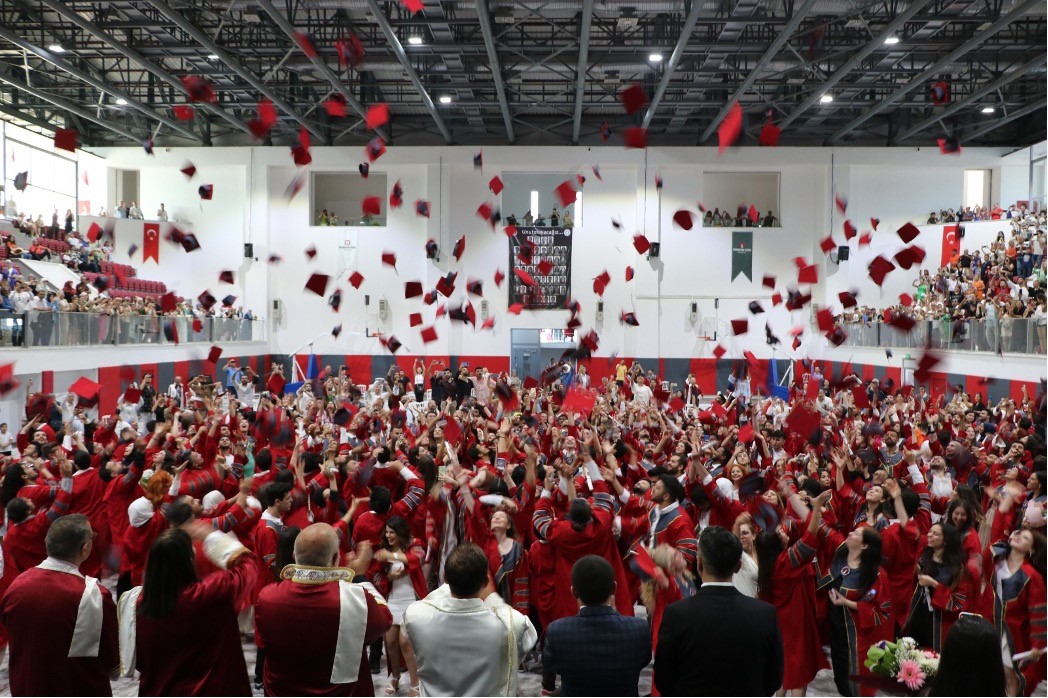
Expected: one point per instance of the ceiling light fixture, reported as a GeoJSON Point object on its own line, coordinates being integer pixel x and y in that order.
{"type": "Point", "coordinates": [988, 110]}
{"type": "Point", "coordinates": [56, 48]}
{"type": "Point", "coordinates": [121, 101]}
{"type": "Point", "coordinates": [826, 98]}
{"type": "Point", "coordinates": [212, 56]}
{"type": "Point", "coordinates": [891, 41]}
{"type": "Point", "coordinates": [445, 99]}
{"type": "Point", "coordinates": [655, 57]}
{"type": "Point", "coordinates": [415, 40]}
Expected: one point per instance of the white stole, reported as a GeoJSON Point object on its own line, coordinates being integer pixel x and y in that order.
{"type": "Point", "coordinates": [352, 624]}
{"type": "Point", "coordinates": [87, 634]}
{"type": "Point", "coordinates": [127, 618]}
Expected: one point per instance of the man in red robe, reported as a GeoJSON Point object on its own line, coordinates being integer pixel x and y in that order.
{"type": "Point", "coordinates": [62, 625]}
{"type": "Point", "coordinates": [316, 625]}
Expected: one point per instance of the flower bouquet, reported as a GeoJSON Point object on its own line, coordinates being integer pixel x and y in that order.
{"type": "Point", "coordinates": [900, 662]}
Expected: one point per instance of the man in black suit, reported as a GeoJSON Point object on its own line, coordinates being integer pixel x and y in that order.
{"type": "Point", "coordinates": [599, 652]}
{"type": "Point", "coordinates": [719, 642]}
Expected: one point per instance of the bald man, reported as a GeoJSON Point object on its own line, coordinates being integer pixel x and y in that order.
{"type": "Point", "coordinates": [316, 625]}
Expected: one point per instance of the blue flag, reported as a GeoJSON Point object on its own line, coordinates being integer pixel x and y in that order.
{"type": "Point", "coordinates": [774, 389]}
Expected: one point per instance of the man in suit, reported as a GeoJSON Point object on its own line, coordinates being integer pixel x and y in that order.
{"type": "Point", "coordinates": [719, 642]}
{"type": "Point", "coordinates": [599, 652]}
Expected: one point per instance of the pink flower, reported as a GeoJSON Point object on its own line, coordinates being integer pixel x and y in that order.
{"type": "Point", "coordinates": [910, 674]}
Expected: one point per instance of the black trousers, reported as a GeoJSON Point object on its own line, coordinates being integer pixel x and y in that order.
{"type": "Point", "coordinates": [840, 650]}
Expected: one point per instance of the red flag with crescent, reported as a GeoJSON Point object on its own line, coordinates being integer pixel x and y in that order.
{"type": "Point", "coordinates": [151, 242]}
{"type": "Point", "coordinates": [951, 243]}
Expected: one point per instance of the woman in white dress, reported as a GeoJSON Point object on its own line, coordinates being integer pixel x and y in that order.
{"type": "Point", "coordinates": [397, 573]}
{"type": "Point", "coordinates": [745, 580]}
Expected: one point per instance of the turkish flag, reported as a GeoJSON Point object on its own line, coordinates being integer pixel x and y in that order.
{"type": "Point", "coordinates": [151, 242]}
{"type": "Point", "coordinates": [951, 242]}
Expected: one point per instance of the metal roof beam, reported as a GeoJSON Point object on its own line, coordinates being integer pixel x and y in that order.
{"type": "Point", "coordinates": [937, 67]}
{"type": "Point", "coordinates": [580, 78]}
{"type": "Point", "coordinates": [997, 84]}
{"type": "Point", "coordinates": [671, 65]}
{"type": "Point", "coordinates": [997, 123]}
{"type": "Point", "coordinates": [877, 42]}
{"type": "Point", "coordinates": [780, 40]}
{"type": "Point", "coordinates": [320, 65]}
{"type": "Point", "coordinates": [496, 68]}
{"type": "Point", "coordinates": [234, 65]}
{"type": "Point", "coordinates": [405, 62]}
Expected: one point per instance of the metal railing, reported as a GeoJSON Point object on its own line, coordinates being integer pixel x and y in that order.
{"type": "Point", "coordinates": [1008, 335]}
{"type": "Point", "coordinates": [57, 329]}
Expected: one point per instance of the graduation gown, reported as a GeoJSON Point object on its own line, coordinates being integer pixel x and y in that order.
{"type": "Point", "coordinates": [40, 610]}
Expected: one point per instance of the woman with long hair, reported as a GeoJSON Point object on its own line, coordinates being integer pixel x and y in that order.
{"type": "Point", "coordinates": [969, 664]}
{"type": "Point", "coordinates": [861, 612]}
{"type": "Point", "coordinates": [161, 621]}
{"type": "Point", "coordinates": [786, 579]}
{"type": "Point", "coordinates": [966, 517]}
{"type": "Point", "coordinates": [943, 590]}
{"type": "Point", "coordinates": [745, 580]}
{"type": "Point", "coordinates": [397, 573]}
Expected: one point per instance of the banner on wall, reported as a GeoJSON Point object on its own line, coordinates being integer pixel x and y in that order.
{"type": "Point", "coordinates": [151, 242]}
{"type": "Point", "coordinates": [951, 243]}
{"type": "Point", "coordinates": [742, 254]}
{"type": "Point", "coordinates": [550, 252]}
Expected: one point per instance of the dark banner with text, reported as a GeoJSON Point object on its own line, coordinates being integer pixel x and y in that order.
{"type": "Point", "coordinates": [540, 267]}
{"type": "Point", "coordinates": [742, 254]}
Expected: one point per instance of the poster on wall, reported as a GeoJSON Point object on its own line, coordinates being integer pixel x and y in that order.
{"type": "Point", "coordinates": [543, 255]}
{"type": "Point", "coordinates": [742, 254]}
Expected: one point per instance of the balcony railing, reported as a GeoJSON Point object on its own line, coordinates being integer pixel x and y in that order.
{"type": "Point", "coordinates": [56, 329]}
{"type": "Point", "coordinates": [1008, 335]}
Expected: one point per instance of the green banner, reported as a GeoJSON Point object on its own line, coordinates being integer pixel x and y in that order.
{"type": "Point", "coordinates": [742, 254]}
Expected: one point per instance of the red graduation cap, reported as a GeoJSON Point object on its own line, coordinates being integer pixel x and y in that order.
{"type": "Point", "coordinates": [753, 213]}
{"type": "Point", "coordinates": [190, 243]}
{"type": "Point", "coordinates": [371, 206]}
{"type": "Point", "coordinates": [389, 259]}
{"type": "Point", "coordinates": [171, 331]}
{"type": "Point", "coordinates": [415, 319]}
{"type": "Point", "coordinates": [213, 356]}
{"type": "Point", "coordinates": [65, 139]}
{"type": "Point", "coordinates": [376, 115]}
{"type": "Point", "coordinates": [350, 51]}
{"type": "Point", "coordinates": [206, 300]}
{"type": "Point", "coordinates": [375, 149]}
{"type": "Point", "coordinates": [396, 196]}
{"type": "Point", "coordinates": [460, 247]}
{"type": "Point", "coordinates": [335, 106]}
{"type": "Point", "coordinates": [422, 208]}
{"type": "Point", "coordinates": [475, 287]}
{"type": "Point", "coordinates": [596, 172]}
{"type": "Point", "coordinates": [635, 137]}
{"type": "Point", "coordinates": [510, 230]}
{"type": "Point", "coordinates": [837, 336]}
{"type": "Point", "coordinates": [859, 397]}
{"type": "Point", "coordinates": [740, 326]}
{"type": "Point", "coordinates": [939, 93]}
{"type": "Point", "coordinates": [865, 239]}
{"type": "Point", "coordinates": [8, 382]}
{"type": "Point", "coordinates": [629, 273]}
{"type": "Point", "coordinates": [875, 222]}
{"type": "Point", "coordinates": [949, 145]}
{"type": "Point", "coordinates": [769, 135]}
{"type": "Point", "coordinates": [755, 308]}
{"type": "Point", "coordinates": [804, 422]}
{"type": "Point", "coordinates": [879, 268]}
{"type": "Point", "coordinates": [495, 185]}
{"type": "Point", "coordinates": [311, 251]}
{"type": "Point", "coordinates": [147, 145]}
{"type": "Point", "coordinates": [452, 431]}
{"type": "Point", "coordinates": [730, 128]}
{"type": "Point", "coordinates": [545, 267]}
{"type": "Point", "coordinates": [847, 299]}
{"type": "Point", "coordinates": [168, 302]}
{"type": "Point", "coordinates": [908, 233]}
{"type": "Point", "coordinates": [446, 285]}
{"type": "Point", "coordinates": [318, 283]}
{"type": "Point", "coordinates": [429, 334]}
{"type": "Point", "coordinates": [84, 388]}
{"type": "Point", "coordinates": [719, 351]}
{"type": "Point", "coordinates": [94, 231]}
{"type": "Point", "coordinates": [183, 112]}
{"type": "Point", "coordinates": [413, 6]}
{"type": "Point", "coordinates": [827, 245]}
{"type": "Point", "coordinates": [605, 131]}
{"type": "Point", "coordinates": [300, 151]}
{"type": "Point", "coordinates": [909, 256]}
{"type": "Point", "coordinates": [641, 243]}
{"type": "Point", "coordinates": [566, 193]}
{"type": "Point", "coordinates": [226, 277]}
{"type": "Point", "coordinates": [499, 276]}
{"type": "Point", "coordinates": [228, 301]}
{"type": "Point", "coordinates": [629, 319]}
{"type": "Point", "coordinates": [776, 298]}
{"type": "Point", "coordinates": [525, 277]}
{"type": "Point", "coordinates": [684, 219]}
{"type": "Point", "coordinates": [581, 180]}
{"type": "Point", "coordinates": [746, 434]}
{"type": "Point", "coordinates": [841, 203]}
{"type": "Point", "coordinates": [633, 98]}
{"type": "Point", "coordinates": [206, 191]}
{"type": "Point", "coordinates": [768, 281]}
{"type": "Point", "coordinates": [849, 230]}
{"type": "Point", "coordinates": [306, 43]}
{"type": "Point", "coordinates": [199, 89]}
{"type": "Point", "coordinates": [808, 275]}
{"type": "Point", "coordinates": [412, 289]}
{"type": "Point", "coordinates": [515, 309]}
{"type": "Point", "coordinates": [336, 330]}
{"type": "Point", "coordinates": [478, 160]}
{"type": "Point", "coordinates": [580, 401]}
{"type": "Point", "coordinates": [355, 279]}
{"type": "Point", "coordinates": [905, 299]}
{"type": "Point", "coordinates": [335, 300]}
{"type": "Point", "coordinates": [188, 169]}
{"type": "Point", "coordinates": [391, 343]}
{"type": "Point", "coordinates": [825, 320]}
{"type": "Point", "coordinates": [507, 396]}
{"type": "Point", "coordinates": [927, 362]}
{"type": "Point", "coordinates": [600, 282]}
{"type": "Point", "coordinates": [903, 322]}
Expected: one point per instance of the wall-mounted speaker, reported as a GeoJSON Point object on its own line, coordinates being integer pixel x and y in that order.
{"type": "Point", "coordinates": [843, 253]}
{"type": "Point", "coordinates": [249, 250]}
{"type": "Point", "coordinates": [656, 247]}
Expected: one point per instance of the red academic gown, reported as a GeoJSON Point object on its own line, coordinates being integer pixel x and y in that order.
{"type": "Point", "coordinates": [137, 542]}
{"type": "Point", "coordinates": [89, 499]}
{"type": "Point", "coordinates": [196, 651]}
{"type": "Point", "coordinates": [298, 626]}
{"type": "Point", "coordinates": [40, 610]}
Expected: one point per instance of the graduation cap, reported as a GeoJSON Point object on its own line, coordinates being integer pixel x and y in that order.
{"type": "Point", "coordinates": [865, 239]}
{"type": "Point", "coordinates": [515, 309]}
{"type": "Point", "coordinates": [168, 302]}
{"type": "Point", "coordinates": [311, 252]}
{"type": "Point", "coordinates": [171, 331]}
{"type": "Point", "coordinates": [206, 300]}
{"type": "Point", "coordinates": [804, 422]}
{"type": "Point", "coordinates": [391, 343]}
{"type": "Point", "coordinates": [903, 322]}
{"type": "Point", "coordinates": [633, 98]}
{"type": "Point", "coordinates": [355, 279]}
{"type": "Point", "coordinates": [183, 112]}
{"type": "Point", "coordinates": [641, 243]}
{"type": "Point", "coordinates": [430, 298]}
{"type": "Point", "coordinates": [908, 233]}
{"type": "Point", "coordinates": [605, 131]}
{"type": "Point", "coordinates": [412, 289]}
{"type": "Point", "coordinates": [909, 256]}
{"type": "Point", "coordinates": [342, 417]}
{"type": "Point", "coordinates": [199, 89]}
{"type": "Point", "coordinates": [566, 193]}
{"type": "Point", "coordinates": [371, 205]}
{"type": "Point", "coordinates": [578, 400]}
{"type": "Point", "coordinates": [850, 230]}
{"type": "Point", "coordinates": [8, 382]}
{"type": "Point", "coordinates": [188, 169]}
{"type": "Point", "coordinates": [769, 336]}
{"type": "Point", "coordinates": [460, 247]}
{"type": "Point", "coordinates": [949, 145]}
{"type": "Point", "coordinates": [318, 283]}
{"type": "Point", "coordinates": [755, 308]}
{"type": "Point", "coordinates": [875, 222]}
{"type": "Point", "coordinates": [85, 389]}
{"type": "Point", "coordinates": [939, 93]}
{"type": "Point", "coordinates": [226, 277]}
{"type": "Point", "coordinates": [147, 145]}
{"type": "Point", "coordinates": [422, 208]}
{"type": "Point", "coordinates": [847, 299]}
{"type": "Point", "coordinates": [376, 148]}
{"type": "Point", "coordinates": [629, 273]}
{"type": "Point", "coordinates": [131, 250]}
{"type": "Point", "coordinates": [396, 196]}
{"type": "Point", "coordinates": [267, 118]}
{"type": "Point", "coordinates": [306, 43]}
{"type": "Point", "coordinates": [905, 299]}
{"type": "Point", "coordinates": [415, 319]}
{"type": "Point", "coordinates": [526, 252]}
{"type": "Point", "coordinates": [545, 267]}
{"type": "Point", "coordinates": [446, 285]}
{"type": "Point", "coordinates": [335, 106]}
{"type": "Point", "coordinates": [635, 137]}
{"type": "Point", "coordinates": [808, 275]}
{"type": "Point", "coordinates": [859, 397]}
{"type": "Point", "coordinates": [629, 319]}
{"type": "Point", "coordinates": [475, 287]}
{"type": "Point", "coordinates": [432, 250]}
{"type": "Point", "coordinates": [768, 281]}
{"type": "Point", "coordinates": [796, 300]}
{"type": "Point", "coordinates": [94, 231]}
{"type": "Point", "coordinates": [879, 268]}
{"type": "Point", "coordinates": [827, 245]}
{"type": "Point", "coordinates": [769, 135]}
{"type": "Point", "coordinates": [600, 282]}
{"type": "Point", "coordinates": [21, 180]}
{"type": "Point", "coordinates": [616, 224]}
{"type": "Point", "coordinates": [478, 160]}
{"type": "Point", "coordinates": [837, 336]}
{"type": "Point", "coordinates": [335, 300]}
{"type": "Point", "coordinates": [429, 334]}
{"type": "Point", "coordinates": [740, 326]}
{"type": "Point", "coordinates": [825, 320]}
{"type": "Point", "coordinates": [206, 191]}
{"type": "Point", "coordinates": [377, 115]}
{"type": "Point", "coordinates": [364, 169]}
{"type": "Point", "coordinates": [350, 52]}
{"type": "Point", "coordinates": [189, 242]}
{"type": "Point", "coordinates": [684, 219]}
{"type": "Point", "coordinates": [213, 356]}
{"type": "Point", "coordinates": [841, 203]}
{"type": "Point", "coordinates": [65, 139]}
{"type": "Point", "coordinates": [730, 128]}
{"type": "Point", "coordinates": [753, 213]}
{"type": "Point", "coordinates": [596, 172]}
{"type": "Point", "coordinates": [300, 151]}
{"type": "Point", "coordinates": [925, 364]}
{"type": "Point", "coordinates": [499, 276]}
{"type": "Point", "coordinates": [776, 298]}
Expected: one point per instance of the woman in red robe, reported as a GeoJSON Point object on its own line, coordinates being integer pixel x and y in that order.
{"type": "Point", "coordinates": [187, 635]}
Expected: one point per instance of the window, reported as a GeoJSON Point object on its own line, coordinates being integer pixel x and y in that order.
{"type": "Point", "coordinates": [733, 197]}
{"type": "Point", "coordinates": [976, 188]}
{"type": "Point", "coordinates": [337, 198]}
{"type": "Point", "coordinates": [533, 193]}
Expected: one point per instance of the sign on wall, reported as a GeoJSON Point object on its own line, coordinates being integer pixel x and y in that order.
{"type": "Point", "coordinates": [742, 254]}
{"type": "Point", "coordinates": [534, 251]}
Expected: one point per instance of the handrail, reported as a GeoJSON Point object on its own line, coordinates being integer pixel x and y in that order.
{"type": "Point", "coordinates": [72, 329]}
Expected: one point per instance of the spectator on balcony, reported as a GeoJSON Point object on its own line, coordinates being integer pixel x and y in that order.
{"type": "Point", "coordinates": [103, 212]}
{"type": "Point", "coordinates": [121, 210]}
{"type": "Point", "coordinates": [161, 214]}
{"type": "Point", "coordinates": [567, 222]}
{"type": "Point", "coordinates": [529, 219]}
{"type": "Point", "coordinates": [69, 221]}
{"type": "Point", "coordinates": [554, 217]}
{"type": "Point", "coordinates": [134, 211]}
{"type": "Point", "coordinates": [769, 220]}
{"type": "Point", "coordinates": [932, 218]}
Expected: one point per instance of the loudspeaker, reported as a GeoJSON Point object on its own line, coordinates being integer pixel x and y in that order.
{"type": "Point", "coordinates": [249, 250]}
{"type": "Point", "coordinates": [654, 251]}
{"type": "Point", "coordinates": [843, 252]}
{"type": "Point", "coordinates": [960, 231]}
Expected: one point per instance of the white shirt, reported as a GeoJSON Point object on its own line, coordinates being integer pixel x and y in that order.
{"type": "Point", "coordinates": [641, 394]}
{"type": "Point", "coordinates": [161, 215]}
